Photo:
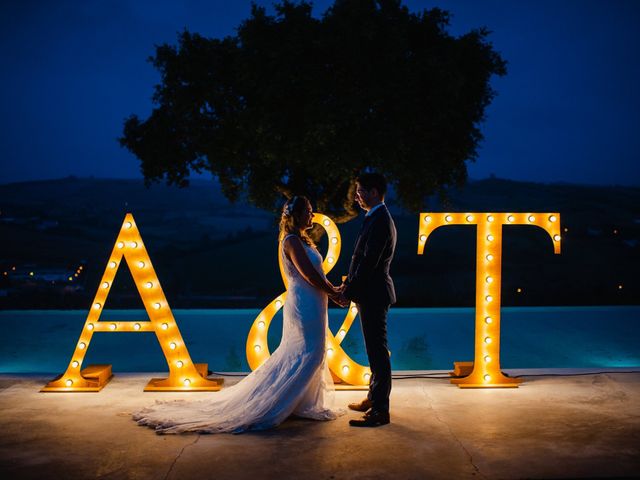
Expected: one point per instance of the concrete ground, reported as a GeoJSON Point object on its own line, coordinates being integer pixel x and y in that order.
{"type": "Point", "coordinates": [551, 427]}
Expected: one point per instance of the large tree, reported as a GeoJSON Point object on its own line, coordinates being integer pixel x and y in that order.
{"type": "Point", "coordinates": [295, 104]}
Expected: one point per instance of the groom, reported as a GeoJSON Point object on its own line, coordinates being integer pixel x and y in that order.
{"type": "Point", "coordinates": [371, 288]}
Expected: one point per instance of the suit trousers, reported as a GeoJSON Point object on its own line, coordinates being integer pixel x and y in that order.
{"type": "Point", "coordinates": [373, 318]}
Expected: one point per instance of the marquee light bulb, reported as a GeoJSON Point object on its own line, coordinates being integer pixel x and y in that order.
{"type": "Point", "coordinates": [105, 285]}
{"type": "Point", "coordinates": [257, 348]}
{"type": "Point", "coordinates": [423, 238]}
{"type": "Point", "coordinates": [329, 351]}
{"type": "Point", "coordinates": [330, 260]}
{"type": "Point", "coordinates": [113, 264]}
{"type": "Point", "coordinates": [96, 306]}
{"type": "Point", "coordinates": [179, 364]}
{"type": "Point", "coordinates": [113, 326]}
{"type": "Point", "coordinates": [487, 358]}
{"type": "Point", "coordinates": [82, 345]}
{"type": "Point", "coordinates": [531, 218]}
{"type": "Point", "coordinates": [487, 340]}
{"type": "Point", "coordinates": [367, 376]}
{"type": "Point", "coordinates": [334, 240]}
{"type": "Point", "coordinates": [165, 326]}
{"type": "Point", "coordinates": [488, 320]}
{"type": "Point", "coordinates": [68, 383]}
{"type": "Point", "coordinates": [136, 326]}
{"type": "Point", "coordinates": [510, 218]}
{"type": "Point", "coordinates": [148, 284]}
{"type": "Point", "coordinates": [488, 298]}
{"type": "Point", "coordinates": [345, 369]}
{"type": "Point", "coordinates": [157, 306]}
{"type": "Point", "coordinates": [141, 264]}
{"type": "Point", "coordinates": [278, 303]}
{"type": "Point", "coordinates": [489, 257]}
{"type": "Point", "coordinates": [490, 218]}
{"type": "Point", "coordinates": [261, 324]}
{"type": "Point", "coordinates": [90, 326]}
{"type": "Point", "coordinates": [354, 310]}
{"type": "Point", "coordinates": [489, 279]}
{"type": "Point", "coordinates": [487, 378]}
{"type": "Point", "coordinates": [187, 382]}
{"type": "Point", "coordinates": [342, 333]}
{"type": "Point", "coordinates": [552, 218]}
{"type": "Point", "coordinates": [128, 225]}
{"type": "Point", "coordinates": [469, 218]}
{"type": "Point", "coordinates": [120, 244]}
{"type": "Point", "coordinates": [172, 346]}
{"type": "Point", "coordinates": [75, 364]}
{"type": "Point", "coordinates": [326, 222]}
{"type": "Point", "coordinates": [134, 244]}
{"type": "Point", "coordinates": [448, 218]}
{"type": "Point", "coordinates": [427, 218]}
{"type": "Point", "coordinates": [490, 238]}
{"type": "Point", "coordinates": [556, 237]}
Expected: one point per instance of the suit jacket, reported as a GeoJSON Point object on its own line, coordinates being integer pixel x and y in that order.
{"type": "Point", "coordinates": [369, 280]}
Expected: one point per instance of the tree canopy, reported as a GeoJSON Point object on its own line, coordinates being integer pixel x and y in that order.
{"type": "Point", "coordinates": [298, 105]}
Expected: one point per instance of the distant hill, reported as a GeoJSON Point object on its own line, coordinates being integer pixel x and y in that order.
{"type": "Point", "coordinates": [210, 253]}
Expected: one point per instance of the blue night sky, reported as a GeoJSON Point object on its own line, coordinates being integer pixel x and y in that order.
{"type": "Point", "coordinates": [568, 110]}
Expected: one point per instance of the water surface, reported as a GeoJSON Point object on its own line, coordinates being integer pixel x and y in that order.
{"type": "Point", "coordinates": [419, 338]}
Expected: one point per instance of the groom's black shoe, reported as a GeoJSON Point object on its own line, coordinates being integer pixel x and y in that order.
{"type": "Point", "coordinates": [362, 406]}
{"type": "Point", "coordinates": [371, 419]}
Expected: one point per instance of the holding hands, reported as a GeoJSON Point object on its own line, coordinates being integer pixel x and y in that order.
{"type": "Point", "coordinates": [338, 296]}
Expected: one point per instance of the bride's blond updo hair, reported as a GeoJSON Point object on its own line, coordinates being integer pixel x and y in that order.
{"type": "Point", "coordinates": [291, 219]}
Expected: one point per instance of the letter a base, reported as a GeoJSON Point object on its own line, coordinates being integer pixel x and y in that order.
{"type": "Point", "coordinates": [473, 379]}
{"type": "Point", "coordinates": [93, 379]}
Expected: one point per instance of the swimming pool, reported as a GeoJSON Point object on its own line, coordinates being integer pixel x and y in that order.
{"type": "Point", "coordinates": [419, 338]}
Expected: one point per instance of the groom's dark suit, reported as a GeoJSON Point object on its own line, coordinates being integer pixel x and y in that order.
{"type": "Point", "coordinates": [369, 285]}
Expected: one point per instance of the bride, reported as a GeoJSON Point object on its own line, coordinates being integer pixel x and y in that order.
{"type": "Point", "coordinates": [295, 380]}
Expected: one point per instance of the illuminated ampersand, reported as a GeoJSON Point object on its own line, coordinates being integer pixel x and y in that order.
{"type": "Point", "coordinates": [184, 375]}
{"type": "Point", "coordinates": [485, 370]}
{"type": "Point", "coordinates": [342, 366]}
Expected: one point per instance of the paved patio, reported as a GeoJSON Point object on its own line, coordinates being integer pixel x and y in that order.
{"type": "Point", "coordinates": [584, 426]}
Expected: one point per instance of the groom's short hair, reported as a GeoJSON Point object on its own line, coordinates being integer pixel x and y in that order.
{"type": "Point", "coordinates": [368, 181]}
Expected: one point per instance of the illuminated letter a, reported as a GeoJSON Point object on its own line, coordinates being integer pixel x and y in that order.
{"type": "Point", "coordinates": [184, 375]}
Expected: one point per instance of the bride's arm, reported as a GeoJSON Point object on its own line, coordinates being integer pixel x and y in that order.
{"type": "Point", "coordinates": [295, 251]}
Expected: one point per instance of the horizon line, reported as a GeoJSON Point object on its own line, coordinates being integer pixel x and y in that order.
{"type": "Point", "coordinates": [201, 179]}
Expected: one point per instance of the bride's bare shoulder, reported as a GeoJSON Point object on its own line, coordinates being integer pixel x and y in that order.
{"type": "Point", "coordinates": [291, 241]}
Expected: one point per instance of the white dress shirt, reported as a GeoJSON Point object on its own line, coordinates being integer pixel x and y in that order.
{"type": "Point", "coordinates": [374, 209]}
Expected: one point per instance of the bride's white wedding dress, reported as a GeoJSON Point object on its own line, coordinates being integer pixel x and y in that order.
{"type": "Point", "coordinates": [295, 380]}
